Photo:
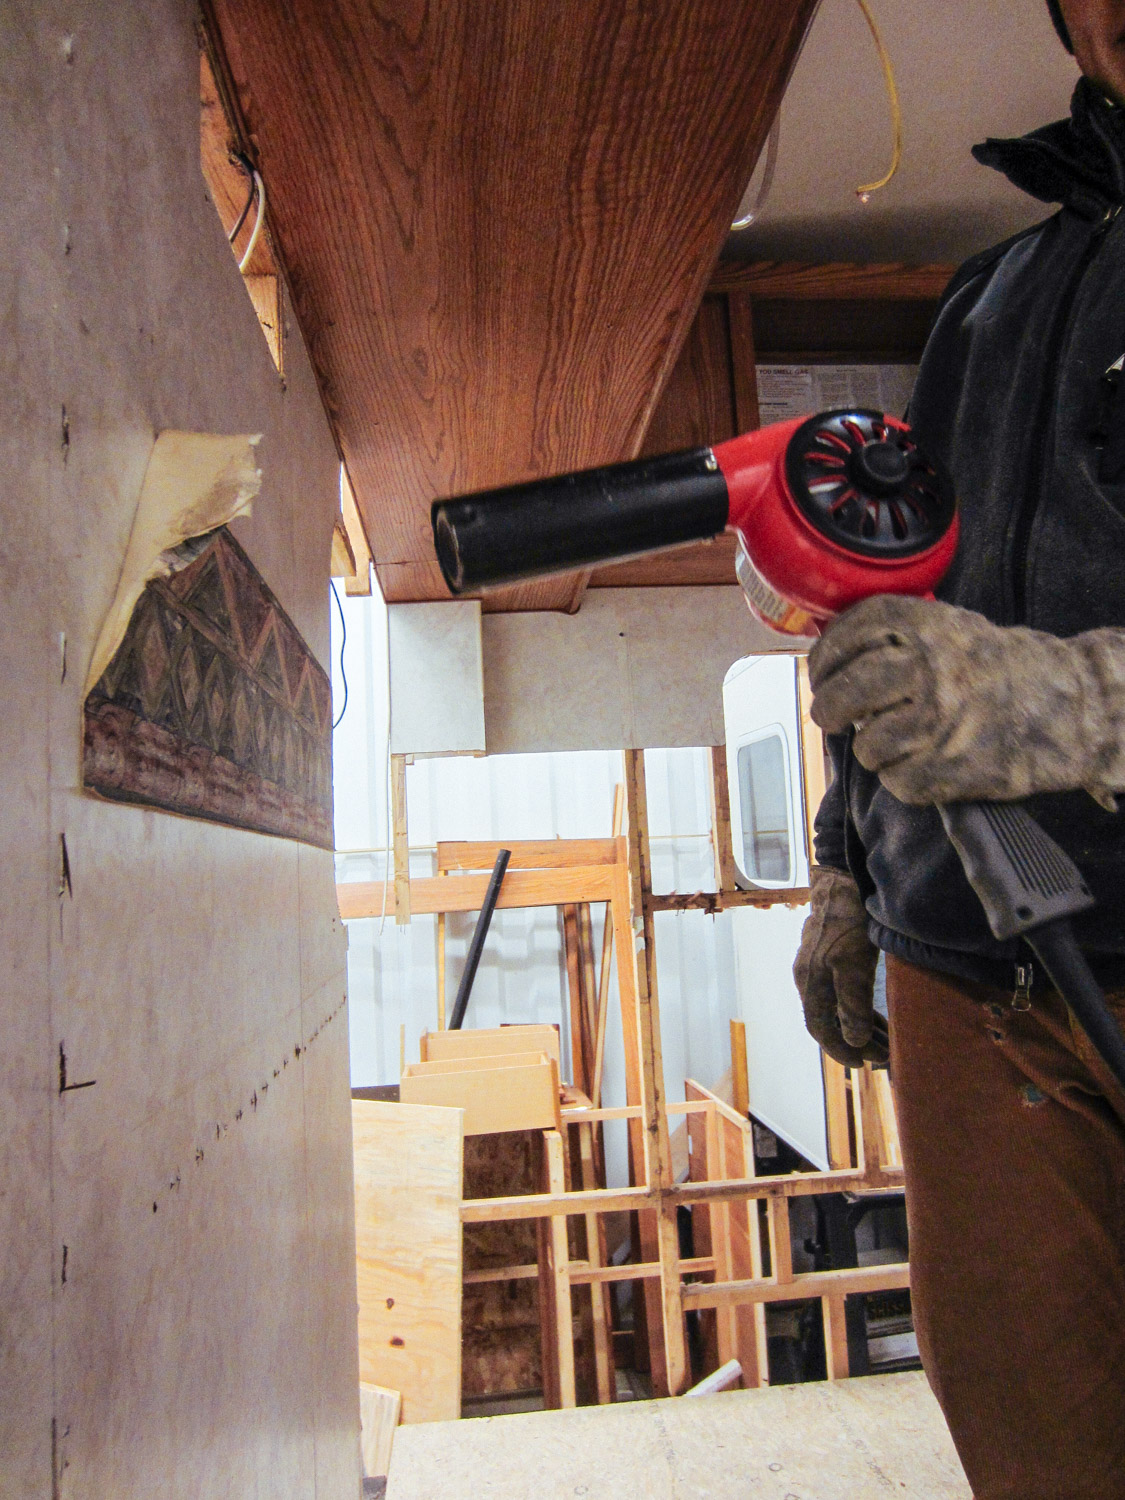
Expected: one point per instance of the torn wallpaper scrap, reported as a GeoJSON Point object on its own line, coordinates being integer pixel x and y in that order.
{"type": "Point", "coordinates": [194, 482]}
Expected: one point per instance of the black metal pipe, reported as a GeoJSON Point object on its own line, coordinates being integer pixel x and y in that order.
{"type": "Point", "coordinates": [579, 520]}
{"type": "Point", "coordinates": [480, 932]}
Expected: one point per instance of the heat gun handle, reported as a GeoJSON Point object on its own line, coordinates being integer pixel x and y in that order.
{"type": "Point", "coordinates": [1030, 888]}
{"type": "Point", "coordinates": [1021, 875]}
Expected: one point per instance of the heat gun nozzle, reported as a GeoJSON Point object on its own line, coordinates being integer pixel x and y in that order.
{"type": "Point", "coordinates": [580, 520]}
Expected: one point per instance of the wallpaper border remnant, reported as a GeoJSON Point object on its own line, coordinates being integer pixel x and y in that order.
{"type": "Point", "coordinates": [213, 706]}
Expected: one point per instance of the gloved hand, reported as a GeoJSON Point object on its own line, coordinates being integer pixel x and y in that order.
{"type": "Point", "coordinates": [835, 971]}
{"type": "Point", "coordinates": [951, 708]}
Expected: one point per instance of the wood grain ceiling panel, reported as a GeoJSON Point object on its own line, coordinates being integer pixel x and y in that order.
{"type": "Point", "coordinates": [497, 221]}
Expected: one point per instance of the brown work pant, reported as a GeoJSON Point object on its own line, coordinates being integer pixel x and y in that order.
{"type": "Point", "coordinates": [1013, 1138]}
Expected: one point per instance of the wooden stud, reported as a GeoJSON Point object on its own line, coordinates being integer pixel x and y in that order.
{"type": "Point", "coordinates": [805, 1285]}
{"type": "Point", "coordinates": [599, 1295]}
{"type": "Point", "coordinates": [360, 585]}
{"type": "Point", "coordinates": [589, 988]}
{"type": "Point", "coordinates": [739, 1069]}
{"type": "Point", "coordinates": [746, 1254]}
{"type": "Point", "coordinates": [722, 846]}
{"type": "Point", "coordinates": [440, 939]}
{"type": "Point", "coordinates": [265, 294]}
{"type": "Point", "coordinates": [399, 834]}
{"type": "Point", "coordinates": [744, 363]}
{"type": "Point", "coordinates": [888, 1117]}
{"type": "Point", "coordinates": [526, 1272]}
{"type": "Point", "coordinates": [713, 902]}
{"type": "Point", "coordinates": [735, 1144]}
{"type": "Point", "coordinates": [835, 1336]}
{"type": "Point", "coordinates": [781, 1246]}
{"type": "Point", "coordinates": [720, 1238]}
{"type": "Point", "coordinates": [584, 1275]}
{"type": "Point", "coordinates": [558, 1256]}
{"type": "Point", "coordinates": [867, 1129]}
{"type": "Point", "coordinates": [433, 893]}
{"type": "Point", "coordinates": [836, 1104]}
{"type": "Point", "coordinates": [658, 1156]}
{"type": "Point", "coordinates": [341, 559]}
{"type": "Point", "coordinates": [578, 1057]}
{"type": "Point", "coordinates": [527, 854]}
{"type": "Point", "coordinates": [607, 956]}
{"type": "Point", "coordinates": [683, 1195]}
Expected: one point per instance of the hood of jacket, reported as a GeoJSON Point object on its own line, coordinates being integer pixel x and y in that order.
{"type": "Point", "coordinates": [1079, 162]}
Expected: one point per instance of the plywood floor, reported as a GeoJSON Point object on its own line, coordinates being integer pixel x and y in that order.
{"type": "Point", "coordinates": [848, 1440]}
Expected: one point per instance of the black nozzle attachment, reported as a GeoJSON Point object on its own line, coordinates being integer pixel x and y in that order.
{"type": "Point", "coordinates": [579, 520]}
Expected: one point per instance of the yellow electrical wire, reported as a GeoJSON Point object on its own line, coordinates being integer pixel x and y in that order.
{"type": "Point", "coordinates": [866, 189]}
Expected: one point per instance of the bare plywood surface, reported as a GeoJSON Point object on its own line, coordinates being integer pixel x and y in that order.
{"type": "Point", "coordinates": [848, 1440]}
{"type": "Point", "coordinates": [489, 1041]}
{"type": "Point", "coordinates": [519, 1091]}
{"type": "Point", "coordinates": [498, 222]}
{"type": "Point", "coordinates": [408, 1253]}
{"type": "Point", "coordinates": [379, 1411]}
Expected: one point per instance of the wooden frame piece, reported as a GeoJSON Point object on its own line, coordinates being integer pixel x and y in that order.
{"type": "Point", "coordinates": [725, 1189]}
{"type": "Point", "coordinates": [517, 1091]}
{"type": "Point", "coordinates": [489, 1041]}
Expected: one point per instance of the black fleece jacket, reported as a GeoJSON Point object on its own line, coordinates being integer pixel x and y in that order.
{"type": "Point", "coordinates": [1012, 395]}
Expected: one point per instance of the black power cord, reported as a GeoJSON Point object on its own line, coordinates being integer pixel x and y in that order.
{"type": "Point", "coordinates": [244, 163]}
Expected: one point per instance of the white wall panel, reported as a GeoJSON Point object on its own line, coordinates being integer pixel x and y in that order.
{"type": "Point", "coordinates": [634, 667]}
{"type": "Point", "coordinates": [437, 692]}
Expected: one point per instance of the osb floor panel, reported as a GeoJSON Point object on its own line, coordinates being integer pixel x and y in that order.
{"type": "Point", "coordinates": [848, 1440]}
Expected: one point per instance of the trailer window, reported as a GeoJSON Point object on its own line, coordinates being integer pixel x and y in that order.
{"type": "Point", "coordinates": [767, 847]}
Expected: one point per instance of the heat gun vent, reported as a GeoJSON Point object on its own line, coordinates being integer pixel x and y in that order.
{"type": "Point", "coordinates": [865, 484]}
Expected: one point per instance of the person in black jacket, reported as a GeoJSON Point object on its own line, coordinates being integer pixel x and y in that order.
{"type": "Point", "coordinates": [1010, 686]}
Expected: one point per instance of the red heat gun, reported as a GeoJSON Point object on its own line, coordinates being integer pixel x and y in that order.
{"type": "Point", "coordinates": [829, 509]}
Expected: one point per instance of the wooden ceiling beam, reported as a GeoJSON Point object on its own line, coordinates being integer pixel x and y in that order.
{"type": "Point", "coordinates": [497, 223]}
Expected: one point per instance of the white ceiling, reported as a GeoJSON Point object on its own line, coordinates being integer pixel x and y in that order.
{"type": "Point", "coordinates": [966, 69]}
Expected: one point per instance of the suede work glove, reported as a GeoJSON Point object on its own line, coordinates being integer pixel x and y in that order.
{"type": "Point", "coordinates": [951, 708]}
{"type": "Point", "coordinates": [835, 971]}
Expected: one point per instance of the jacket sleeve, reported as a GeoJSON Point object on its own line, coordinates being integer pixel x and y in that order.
{"type": "Point", "coordinates": [828, 826]}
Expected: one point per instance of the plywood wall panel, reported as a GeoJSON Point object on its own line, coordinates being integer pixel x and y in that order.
{"type": "Point", "coordinates": [499, 221]}
{"type": "Point", "coordinates": [185, 967]}
{"type": "Point", "coordinates": [408, 1176]}
{"type": "Point", "coordinates": [30, 454]}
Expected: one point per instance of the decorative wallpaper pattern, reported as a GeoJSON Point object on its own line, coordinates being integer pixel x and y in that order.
{"type": "Point", "coordinates": [213, 705]}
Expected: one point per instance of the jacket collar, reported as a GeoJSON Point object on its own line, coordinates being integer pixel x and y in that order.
{"type": "Point", "coordinates": [1079, 162]}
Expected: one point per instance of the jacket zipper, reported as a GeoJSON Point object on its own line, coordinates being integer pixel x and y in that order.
{"type": "Point", "coordinates": [1025, 975]}
{"type": "Point", "coordinates": [1025, 520]}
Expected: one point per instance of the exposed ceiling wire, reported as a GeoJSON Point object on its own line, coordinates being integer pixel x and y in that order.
{"type": "Point", "coordinates": [864, 191]}
{"type": "Point", "coordinates": [261, 190]}
{"type": "Point", "coordinates": [249, 170]}
{"type": "Point", "coordinates": [753, 213]}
